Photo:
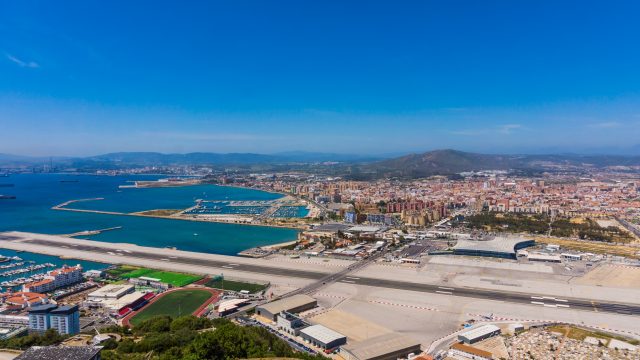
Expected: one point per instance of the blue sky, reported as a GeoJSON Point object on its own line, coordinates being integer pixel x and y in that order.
{"type": "Point", "coordinates": [339, 76]}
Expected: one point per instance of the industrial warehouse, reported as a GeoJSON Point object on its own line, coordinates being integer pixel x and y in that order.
{"type": "Point", "coordinates": [479, 334]}
{"type": "Point", "coordinates": [323, 337]}
{"type": "Point", "coordinates": [384, 347]}
{"type": "Point", "coordinates": [283, 314]}
{"type": "Point", "coordinates": [293, 304]}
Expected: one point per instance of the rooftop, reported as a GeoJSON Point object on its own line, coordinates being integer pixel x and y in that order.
{"type": "Point", "coordinates": [66, 269]}
{"type": "Point", "coordinates": [67, 309]}
{"type": "Point", "coordinates": [365, 228]}
{"type": "Point", "coordinates": [42, 308]}
{"type": "Point", "coordinates": [231, 304]}
{"type": "Point", "coordinates": [331, 227]}
{"type": "Point", "coordinates": [24, 297]}
{"type": "Point", "coordinates": [480, 331]}
{"type": "Point", "coordinates": [322, 334]}
{"type": "Point", "coordinates": [60, 353]}
{"type": "Point", "coordinates": [112, 291]}
{"type": "Point", "coordinates": [38, 283]}
{"type": "Point", "coordinates": [117, 303]}
{"type": "Point", "coordinates": [472, 350]}
{"type": "Point", "coordinates": [285, 304]}
{"type": "Point", "coordinates": [380, 345]}
{"type": "Point", "coordinates": [500, 244]}
{"type": "Point", "coordinates": [545, 257]}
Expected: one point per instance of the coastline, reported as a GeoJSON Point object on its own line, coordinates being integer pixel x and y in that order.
{"type": "Point", "coordinates": [285, 230]}
{"type": "Point", "coordinates": [172, 218]}
{"type": "Point", "coordinates": [219, 220]}
{"type": "Point", "coordinates": [280, 245]}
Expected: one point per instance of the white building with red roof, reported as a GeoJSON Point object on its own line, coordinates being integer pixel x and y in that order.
{"type": "Point", "coordinates": [65, 276]}
{"type": "Point", "coordinates": [24, 299]}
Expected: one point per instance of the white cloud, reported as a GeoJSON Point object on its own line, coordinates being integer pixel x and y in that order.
{"type": "Point", "coordinates": [509, 128]}
{"type": "Point", "coordinates": [605, 125]}
{"type": "Point", "coordinates": [506, 129]}
{"type": "Point", "coordinates": [21, 63]}
{"type": "Point", "coordinates": [468, 132]}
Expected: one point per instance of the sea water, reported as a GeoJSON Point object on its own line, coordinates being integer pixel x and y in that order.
{"type": "Point", "coordinates": [37, 193]}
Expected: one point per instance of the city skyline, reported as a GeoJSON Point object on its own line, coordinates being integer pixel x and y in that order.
{"type": "Point", "coordinates": [338, 77]}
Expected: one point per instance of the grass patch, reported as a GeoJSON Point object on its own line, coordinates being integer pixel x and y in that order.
{"type": "Point", "coordinates": [235, 285]}
{"type": "Point", "coordinates": [592, 247]}
{"type": "Point", "coordinates": [120, 270]}
{"type": "Point", "coordinates": [580, 334]}
{"type": "Point", "coordinates": [173, 278]}
{"type": "Point", "coordinates": [174, 304]}
{"type": "Point", "coordinates": [565, 227]}
{"type": "Point", "coordinates": [159, 212]}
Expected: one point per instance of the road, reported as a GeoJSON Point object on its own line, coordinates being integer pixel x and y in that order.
{"type": "Point", "coordinates": [322, 279]}
{"type": "Point", "coordinates": [335, 277]}
{"type": "Point", "coordinates": [629, 226]}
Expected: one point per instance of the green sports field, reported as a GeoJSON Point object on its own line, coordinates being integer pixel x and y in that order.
{"type": "Point", "coordinates": [174, 304]}
{"type": "Point", "coordinates": [235, 285]}
{"type": "Point", "coordinates": [173, 278]}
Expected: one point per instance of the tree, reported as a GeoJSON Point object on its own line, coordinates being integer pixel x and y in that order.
{"type": "Point", "coordinates": [160, 323]}
{"type": "Point", "coordinates": [164, 338]}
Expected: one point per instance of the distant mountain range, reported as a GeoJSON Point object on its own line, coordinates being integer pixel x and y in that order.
{"type": "Point", "coordinates": [130, 159]}
{"type": "Point", "coordinates": [447, 162]}
{"type": "Point", "coordinates": [438, 162]}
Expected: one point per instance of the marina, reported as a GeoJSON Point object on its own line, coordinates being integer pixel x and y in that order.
{"type": "Point", "coordinates": [272, 208]}
{"type": "Point", "coordinates": [29, 267]}
{"type": "Point", "coordinates": [10, 266]}
{"type": "Point", "coordinates": [290, 212]}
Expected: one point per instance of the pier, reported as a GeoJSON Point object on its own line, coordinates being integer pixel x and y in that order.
{"type": "Point", "coordinates": [66, 203]}
{"type": "Point", "coordinates": [93, 232]}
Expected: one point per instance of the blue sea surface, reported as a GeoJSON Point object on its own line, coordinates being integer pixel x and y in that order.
{"type": "Point", "coordinates": [37, 193]}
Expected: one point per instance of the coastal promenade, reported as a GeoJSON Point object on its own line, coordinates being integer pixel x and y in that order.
{"type": "Point", "coordinates": [292, 274]}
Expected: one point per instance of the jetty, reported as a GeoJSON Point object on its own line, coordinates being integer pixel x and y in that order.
{"type": "Point", "coordinates": [93, 232]}
{"type": "Point", "coordinates": [191, 214]}
{"type": "Point", "coordinates": [67, 203]}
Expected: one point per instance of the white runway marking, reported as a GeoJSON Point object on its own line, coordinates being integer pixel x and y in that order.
{"type": "Point", "coordinates": [444, 292]}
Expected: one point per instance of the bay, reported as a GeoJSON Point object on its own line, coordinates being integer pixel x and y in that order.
{"type": "Point", "coordinates": [37, 193]}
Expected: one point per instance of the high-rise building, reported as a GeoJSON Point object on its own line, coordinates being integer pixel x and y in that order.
{"type": "Point", "coordinates": [350, 217]}
{"type": "Point", "coordinates": [64, 319]}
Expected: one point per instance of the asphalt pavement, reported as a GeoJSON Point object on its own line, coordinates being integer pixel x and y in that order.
{"type": "Point", "coordinates": [322, 279]}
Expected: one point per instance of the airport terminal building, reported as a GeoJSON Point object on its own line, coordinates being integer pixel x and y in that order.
{"type": "Point", "coordinates": [499, 246]}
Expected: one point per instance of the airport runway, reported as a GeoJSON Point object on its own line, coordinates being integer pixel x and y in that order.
{"type": "Point", "coordinates": [540, 300]}
{"type": "Point", "coordinates": [181, 259]}
{"type": "Point", "coordinates": [511, 297]}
